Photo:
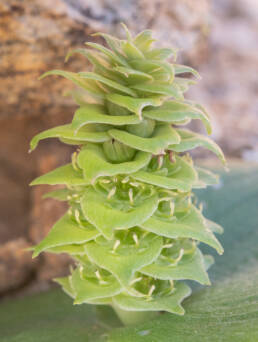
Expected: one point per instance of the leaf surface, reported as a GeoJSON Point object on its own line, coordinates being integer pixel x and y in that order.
{"type": "Point", "coordinates": [100, 166]}
{"type": "Point", "coordinates": [61, 175]}
{"type": "Point", "coordinates": [65, 232]}
{"type": "Point", "coordinates": [98, 211]}
{"type": "Point", "coordinates": [161, 138]}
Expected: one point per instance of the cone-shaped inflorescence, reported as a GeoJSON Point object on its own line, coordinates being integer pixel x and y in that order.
{"type": "Point", "coordinates": [133, 226]}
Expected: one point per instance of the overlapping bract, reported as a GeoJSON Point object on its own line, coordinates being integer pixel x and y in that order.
{"type": "Point", "coordinates": [132, 227]}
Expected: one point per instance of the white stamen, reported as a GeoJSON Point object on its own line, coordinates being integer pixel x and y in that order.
{"type": "Point", "coordinates": [181, 253]}
{"type": "Point", "coordinates": [172, 208]}
{"type": "Point", "coordinates": [135, 184]}
{"type": "Point", "coordinates": [81, 270]}
{"type": "Point", "coordinates": [130, 193]}
{"type": "Point", "coordinates": [136, 240]}
{"type": "Point", "coordinates": [116, 244]}
{"type": "Point", "coordinates": [77, 216]}
{"type": "Point", "coordinates": [160, 161]}
{"type": "Point", "coordinates": [125, 180]}
{"type": "Point", "coordinates": [105, 181]}
{"type": "Point", "coordinates": [111, 192]}
{"type": "Point", "coordinates": [135, 280]}
{"type": "Point", "coordinates": [98, 275]}
{"type": "Point", "coordinates": [151, 290]}
{"type": "Point", "coordinates": [169, 245]}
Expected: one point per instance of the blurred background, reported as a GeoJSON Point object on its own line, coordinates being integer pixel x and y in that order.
{"type": "Point", "coordinates": [217, 37]}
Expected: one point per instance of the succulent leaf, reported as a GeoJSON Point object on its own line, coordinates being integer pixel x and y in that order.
{"type": "Point", "coordinates": [101, 166]}
{"type": "Point", "coordinates": [190, 267]}
{"type": "Point", "coordinates": [66, 232]}
{"type": "Point", "coordinates": [93, 203]}
{"type": "Point", "coordinates": [187, 225]}
{"type": "Point", "coordinates": [170, 302]}
{"type": "Point", "coordinates": [191, 140]}
{"type": "Point", "coordinates": [162, 137]}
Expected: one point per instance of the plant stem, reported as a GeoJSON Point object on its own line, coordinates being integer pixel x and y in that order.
{"type": "Point", "coordinates": [133, 317]}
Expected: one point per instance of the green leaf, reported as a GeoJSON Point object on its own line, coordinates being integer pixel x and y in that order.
{"type": "Point", "coordinates": [114, 58]}
{"type": "Point", "coordinates": [100, 166]}
{"type": "Point", "coordinates": [59, 194]}
{"type": "Point", "coordinates": [86, 290]}
{"type": "Point", "coordinates": [89, 85]}
{"type": "Point", "coordinates": [153, 67]}
{"type": "Point", "coordinates": [66, 285]}
{"type": "Point", "coordinates": [62, 175]}
{"type": "Point", "coordinates": [66, 232]}
{"type": "Point", "coordinates": [159, 89]}
{"type": "Point", "coordinates": [170, 303]}
{"type": "Point", "coordinates": [162, 137]}
{"type": "Point", "coordinates": [92, 113]}
{"type": "Point", "coordinates": [190, 225]}
{"type": "Point", "coordinates": [191, 140]}
{"type": "Point", "coordinates": [125, 261]}
{"type": "Point", "coordinates": [97, 210]}
{"type": "Point", "coordinates": [190, 267]}
{"type": "Point", "coordinates": [214, 227]}
{"type": "Point", "coordinates": [72, 249]}
{"type": "Point", "coordinates": [205, 178]}
{"type": "Point", "coordinates": [133, 105]}
{"type": "Point", "coordinates": [131, 51]}
{"type": "Point", "coordinates": [112, 84]}
{"type": "Point", "coordinates": [134, 76]}
{"type": "Point", "coordinates": [67, 132]}
{"type": "Point", "coordinates": [101, 64]}
{"type": "Point", "coordinates": [181, 175]}
{"type": "Point", "coordinates": [175, 112]}
{"type": "Point", "coordinates": [144, 40]}
{"type": "Point", "coordinates": [161, 54]}
{"type": "Point", "coordinates": [181, 69]}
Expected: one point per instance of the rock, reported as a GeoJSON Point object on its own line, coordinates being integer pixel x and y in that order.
{"type": "Point", "coordinates": [16, 266]}
{"type": "Point", "coordinates": [229, 85]}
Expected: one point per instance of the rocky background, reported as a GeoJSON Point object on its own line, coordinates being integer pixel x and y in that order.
{"type": "Point", "coordinates": [217, 37]}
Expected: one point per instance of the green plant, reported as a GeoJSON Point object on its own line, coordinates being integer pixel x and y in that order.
{"type": "Point", "coordinates": [133, 226]}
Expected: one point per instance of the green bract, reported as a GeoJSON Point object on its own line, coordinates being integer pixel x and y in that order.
{"type": "Point", "coordinates": [132, 227]}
